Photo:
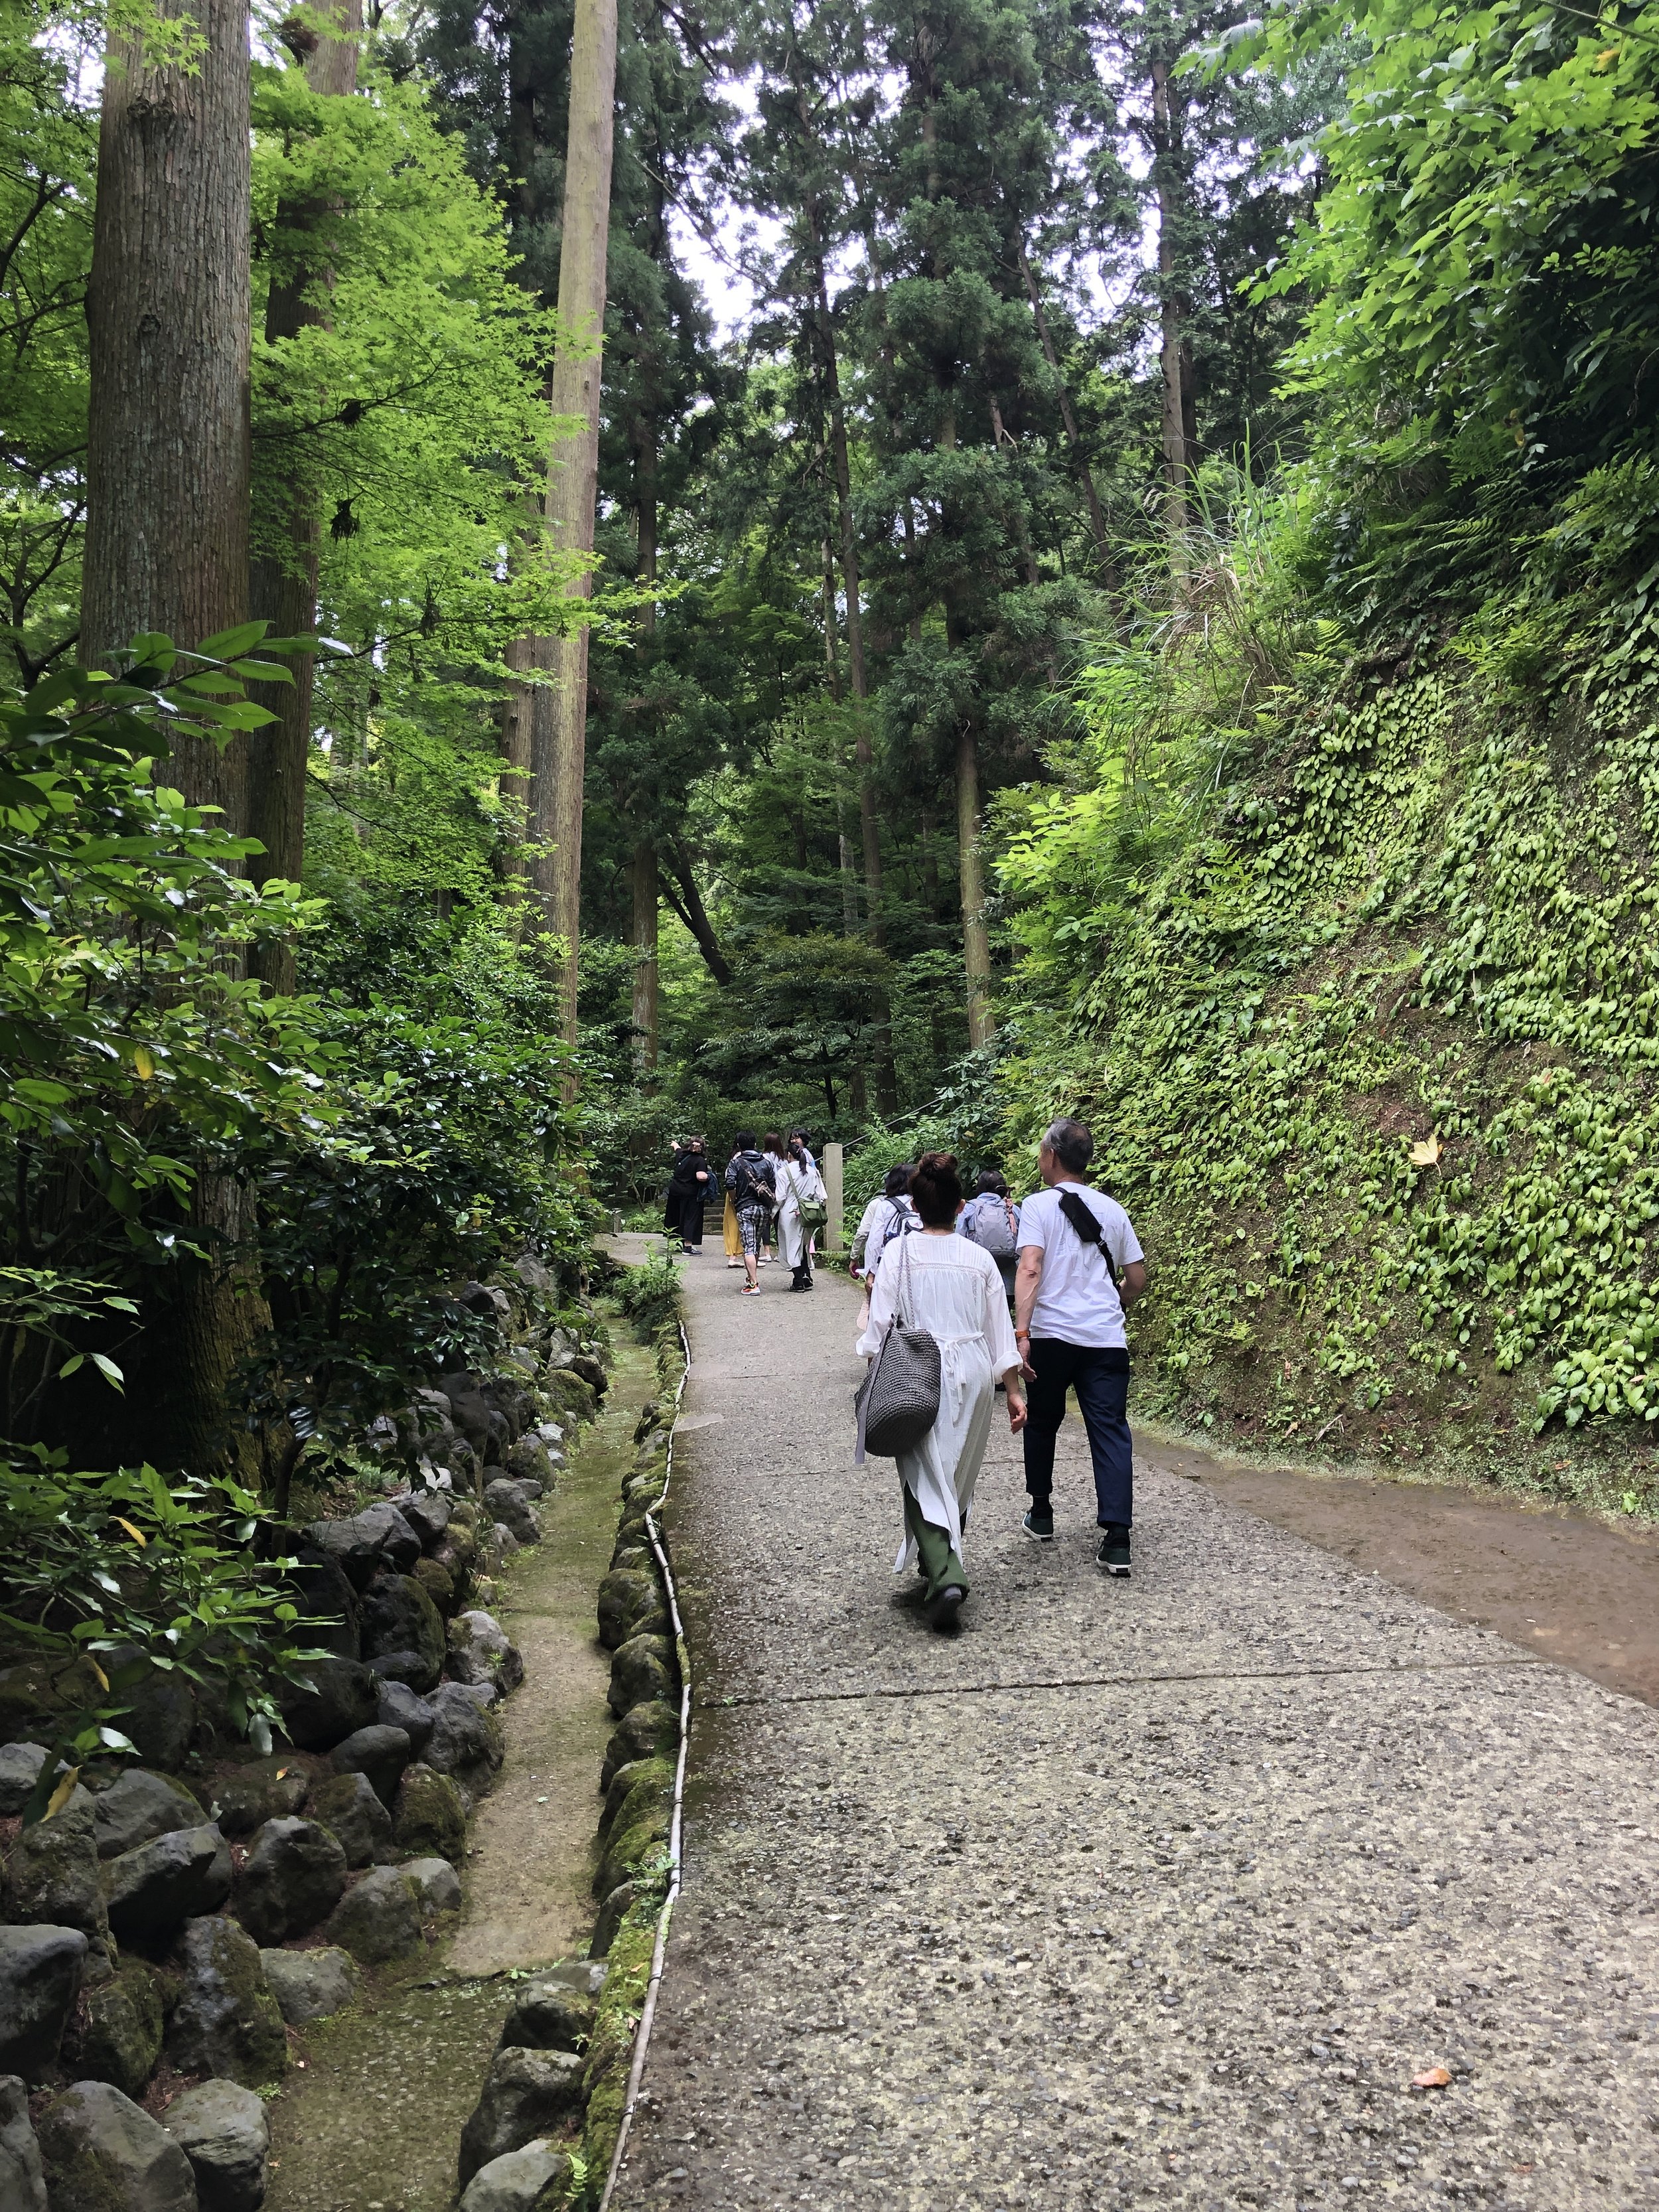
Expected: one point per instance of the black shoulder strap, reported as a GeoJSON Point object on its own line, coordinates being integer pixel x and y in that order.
{"type": "Point", "coordinates": [1083, 1219]}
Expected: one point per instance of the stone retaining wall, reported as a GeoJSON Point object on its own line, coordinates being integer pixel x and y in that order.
{"type": "Point", "coordinates": [166, 1934]}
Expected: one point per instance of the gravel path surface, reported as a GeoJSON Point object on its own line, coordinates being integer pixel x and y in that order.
{"type": "Point", "coordinates": [1157, 1891]}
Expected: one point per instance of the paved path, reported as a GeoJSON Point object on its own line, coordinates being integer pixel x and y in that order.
{"type": "Point", "coordinates": [1159, 1891]}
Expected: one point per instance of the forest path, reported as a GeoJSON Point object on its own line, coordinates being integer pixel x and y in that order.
{"type": "Point", "coordinates": [1162, 1890]}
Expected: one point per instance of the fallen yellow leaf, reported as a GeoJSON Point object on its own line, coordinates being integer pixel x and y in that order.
{"type": "Point", "coordinates": [1426, 1152]}
{"type": "Point", "coordinates": [1435, 2077]}
{"type": "Point", "coordinates": [137, 1534]}
{"type": "Point", "coordinates": [61, 1795]}
{"type": "Point", "coordinates": [103, 1679]}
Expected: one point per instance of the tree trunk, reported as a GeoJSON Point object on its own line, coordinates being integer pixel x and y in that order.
{"type": "Point", "coordinates": [1173, 352]}
{"type": "Point", "coordinates": [687, 903]}
{"type": "Point", "coordinates": [929, 864]}
{"type": "Point", "coordinates": [851, 581]}
{"type": "Point", "coordinates": [644, 940]}
{"type": "Point", "coordinates": [284, 588]}
{"type": "Point", "coordinates": [646, 895]}
{"type": "Point", "coordinates": [168, 312]}
{"type": "Point", "coordinates": [975, 938]}
{"type": "Point", "coordinates": [166, 544]}
{"type": "Point", "coordinates": [559, 724]}
{"type": "Point", "coordinates": [831, 658]}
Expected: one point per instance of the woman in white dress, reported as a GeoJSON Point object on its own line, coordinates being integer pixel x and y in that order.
{"type": "Point", "coordinates": [797, 1178]}
{"type": "Point", "coordinates": [952, 1288]}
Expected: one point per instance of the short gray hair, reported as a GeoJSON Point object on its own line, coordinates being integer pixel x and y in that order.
{"type": "Point", "coordinates": [1071, 1144]}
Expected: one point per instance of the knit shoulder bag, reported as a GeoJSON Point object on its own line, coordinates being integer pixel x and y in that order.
{"type": "Point", "coordinates": [897, 1402]}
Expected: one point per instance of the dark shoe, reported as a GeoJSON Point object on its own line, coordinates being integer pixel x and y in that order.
{"type": "Point", "coordinates": [1114, 1553]}
{"type": "Point", "coordinates": [1039, 1527]}
{"type": "Point", "coordinates": [944, 1605]}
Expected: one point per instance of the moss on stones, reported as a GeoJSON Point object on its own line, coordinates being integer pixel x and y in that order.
{"type": "Point", "coordinates": [611, 2049]}
{"type": "Point", "coordinates": [636, 1792]}
{"type": "Point", "coordinates": [429, 1817]}
{"type": "Point", "coordinates": [121, 2040]}
{"type": "Point", "coordinates": [633, 1848]}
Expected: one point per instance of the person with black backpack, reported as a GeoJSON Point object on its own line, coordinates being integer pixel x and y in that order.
{"type": "Point", "coordinates": [1080, 1265]}
{"type": "Point", "coordinates": [749, 1178]}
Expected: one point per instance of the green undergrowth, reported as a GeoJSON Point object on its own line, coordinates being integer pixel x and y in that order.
{"type": "Point", "coordinates": [1372, 1061]}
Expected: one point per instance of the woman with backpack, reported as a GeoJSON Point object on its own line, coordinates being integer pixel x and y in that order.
{"type": "Point", "coordinates": [749, 1178]}
{"type": "Point", "coordinates": [801, 1201]}
{"type": "Point", "coordinates": [991, 1220]}
{"type": "Point", "coordinates": [889, 1214]}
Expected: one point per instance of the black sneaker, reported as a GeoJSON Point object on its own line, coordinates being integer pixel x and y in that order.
{"type": "Point", "coordinates": [1039, 1527]}
{"type": "Point", "coordinates": [942, 1609]}
{"type": "Point", "coordinates": [1114, 1553]}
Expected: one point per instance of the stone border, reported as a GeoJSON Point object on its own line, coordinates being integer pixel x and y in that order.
{"type": "Point", "coordinates": [198, 1897]}
{"type": "Point", "coordinates": [643, 1776]}
{"type": "Point", "coordinates": [552, 2115]}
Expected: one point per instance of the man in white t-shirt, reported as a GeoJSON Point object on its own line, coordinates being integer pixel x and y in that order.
{"type": "Point", "coordinates": [1080, 1264]}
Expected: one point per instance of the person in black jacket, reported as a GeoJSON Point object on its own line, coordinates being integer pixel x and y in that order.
{"type": "Point", "coordinates": [689, 1190]}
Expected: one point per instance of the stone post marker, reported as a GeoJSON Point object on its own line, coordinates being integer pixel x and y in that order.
{"type": "Point", "coordinates": [834, 1156]}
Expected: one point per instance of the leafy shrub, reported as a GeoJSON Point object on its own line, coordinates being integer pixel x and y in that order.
{"type": "Point", "coordinates": [109, 1580]}
{"type": "Point", "coordinates": [650, 1295]}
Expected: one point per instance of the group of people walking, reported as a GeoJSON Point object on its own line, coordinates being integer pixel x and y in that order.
{"type": "Point", "coordinates": [774, 1195]}
{"type": "Point", "coordinates": [1027, 1299]}
{"type": "Point", "coordinates": [936, 1262]}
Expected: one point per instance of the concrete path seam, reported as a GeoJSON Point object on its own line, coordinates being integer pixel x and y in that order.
{"type": "Point", "coordinates": [1130, 1681]}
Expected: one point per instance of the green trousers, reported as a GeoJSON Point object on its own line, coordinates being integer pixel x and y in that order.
{"type": "Point", "coordinates": [939, 1559]}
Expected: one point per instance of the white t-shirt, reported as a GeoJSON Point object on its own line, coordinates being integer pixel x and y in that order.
{"type": "Point", "coordinates": [1075, 1300]}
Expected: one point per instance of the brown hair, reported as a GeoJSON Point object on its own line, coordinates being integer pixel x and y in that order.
{"type": "Point", "coordinates": [936, 1189]}
{"type": "Point", "coordinates": [771, 1142]}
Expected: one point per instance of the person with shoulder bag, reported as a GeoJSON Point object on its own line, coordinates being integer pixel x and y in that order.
{"type": "Point", "coordinates": [799, 1194]}
{"type": "Point", "coordinates": [749, 1178]}
{"type": "Point", "coordinates": [938, 1340]}
{"type": "Point", "coordinates": [1080, 1267]}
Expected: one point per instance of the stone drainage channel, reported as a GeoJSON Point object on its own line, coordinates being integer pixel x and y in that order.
{"type": "Point", "coordinates": [370, 2117]}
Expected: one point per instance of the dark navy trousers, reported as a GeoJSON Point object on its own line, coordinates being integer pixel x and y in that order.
{"type": "Point", "coordinates": [1100, 1376]}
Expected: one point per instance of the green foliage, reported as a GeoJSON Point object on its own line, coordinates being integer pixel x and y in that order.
{"type": "Point", "coordinates": [129, 1039]}
{"type": "Point", "coordinates": [1483, 305]}
{"type": "Point", "coordinates": [444, 1154]}
{"type": "Point", "coordinates": [48, 155]}
{"type": "Point", "coordinates": [804, 1011]}
{"type": "Point", "coordinates": [108, 1581]}
{"type": "Point", "coordinates": [410, 418]}
{"type": "Point", "coordinates": [1369, 1055]}
{"type": "Point", "coordinates": [650, 1295]}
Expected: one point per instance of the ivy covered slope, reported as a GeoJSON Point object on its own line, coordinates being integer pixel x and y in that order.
{"type": "Point", "coordinates": [1372, 1061]}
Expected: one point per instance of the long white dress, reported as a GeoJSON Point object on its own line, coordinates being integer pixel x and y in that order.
{"type": "Point", "coordinates": [794, 1183]}
{"type": "Point", "coordinates": [952, 1289]}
